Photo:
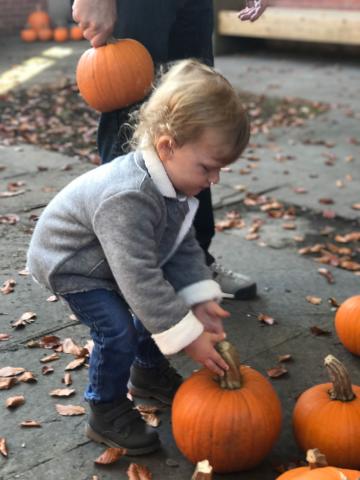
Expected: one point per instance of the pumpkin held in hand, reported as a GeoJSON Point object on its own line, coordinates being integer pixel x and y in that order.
{"type": "Point", "coordinates": [115, 75]}
{"type": "Point", "coordinates": [232, 421]}
{"type": "Point", "coordinates": [347, 324]}
{"type": "Point", "coordinates": [328, 416]}
{"type": "Point", "coordinates": [318, 469]}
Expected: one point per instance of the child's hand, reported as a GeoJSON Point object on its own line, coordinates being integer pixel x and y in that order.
{"type": "Point", "coordinates": [210, 315]}
{"type": "Point", "coordinates": [202, 350]}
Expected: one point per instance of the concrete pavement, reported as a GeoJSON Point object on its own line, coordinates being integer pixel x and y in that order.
{"type": "Point", "coordinates": [321, 159]}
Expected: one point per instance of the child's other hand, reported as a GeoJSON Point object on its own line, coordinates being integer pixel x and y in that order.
{"type": "Point", "coordinates": [202, 350]}
{"type": "Point", "coordinates": [210, 315]}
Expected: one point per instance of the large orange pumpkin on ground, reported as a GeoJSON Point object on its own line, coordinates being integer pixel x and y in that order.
{"type": "Point", "coordinates": [318, 469]}
{"type": "Point", "coordinates": [115, 75]}
{"type": "Point", "coordinates": [328, 416]}
{"type": "Point", "coordinates": [347, 324]}
{"type": "Point", "coordinates": [233, 422]}
{"type": "Point", "coordinates": [28, 35]}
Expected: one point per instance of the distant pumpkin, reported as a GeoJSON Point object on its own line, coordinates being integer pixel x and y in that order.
{"type": "Point", "coordinates": [45, 34]}
{"type": "Point", "coordinates": [61, 34]}
{"type": "Point", "coordinates": [28, 35]}
{"type": "Point", "coordinates": [76, 33]}
{"type": "Point", "coordinates": [115, 75]}
{"type": "Point", "coordinates": [38, 19]}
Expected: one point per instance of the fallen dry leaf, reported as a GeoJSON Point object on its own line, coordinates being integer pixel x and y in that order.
{"type": "Point", "coordinates": [13, 402]}
{"type": "Point", "coordinates": [3, 447]}
{"type": "Point", "coordinates": [327, 274]}
{"type": "Point", "coordinates": [262, 317]}
{"type": "Point", "coordinates": [333, 302]}
{"type": "Point", "coordinates": [8, 286]}
{"type": "Point", "coordinates": [52, 298]}
{"type": "Point", "coordinates": [285, 358]}
{"type": "Point", "coordinates": [11, 194]}
{"type": "Point", "coordinates": [315, 330]}
{"type": "Point", "coordinates": [7, 382]}
{"type": "Point", "coordinates": [289, 226]}
{"type": "Point", "coordinates": [49, 341]}
{"type": "Point", "coordinates": [30, 424]}
{"type": "Point", "coordinates": [138, 472]}
{"type": "Point", "coordinates": [46, 369]}
{"type": "Point", "coordinates": [50, 358]}
{"type": "Point", "coordinates": [203, 471]}
{"type": "Point", "coordinates": [355, 206]}
{"type": "Point", "coordinates": [110, 455]}
{"type": "Point", "coordinates": [329, 214]}
{"type": "Point", "coordinates": [67, 380]}
{"type": "Point", "coordinates": [11, 371]}
{"type": "Point", "coordinates": [9, 219]}
{"type": "Point", "coordinates": [4, 337]}
{"type": "Point", "coordinates": [277, 372]}
{"type": "Point", "coordinates": [62, 392]}
{"type": "Point", "coordinates": [349, 237]}
{"type": "Point", "coordinates": [69, 346]}
{"type": "Point", "coordinates": [25, 319]}
{"type": "Point", "coordinates": [78, 362]}
{"type": "Point", "coordinates": [69, 410]}
{"type": "Point", "coordinates": [313, 300]}
{"type": "Point", "coordinates": [24, 272]}
{"type": "Point", "coordinates": [27, 377]}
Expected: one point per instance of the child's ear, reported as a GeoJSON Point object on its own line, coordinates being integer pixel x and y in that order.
{"type": "Point", "coordinates": [164, 146]}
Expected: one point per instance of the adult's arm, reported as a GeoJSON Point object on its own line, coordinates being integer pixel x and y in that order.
{"type": "Point", "coordinates": [96, 18]}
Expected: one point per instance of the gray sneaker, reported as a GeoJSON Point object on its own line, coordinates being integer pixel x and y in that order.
{"type": "Point", "coordinates": [159, 382]}
{"type": "Point", "coordinates": [233, 284]}
{"type": "Point", "coordinates": [118, 425]}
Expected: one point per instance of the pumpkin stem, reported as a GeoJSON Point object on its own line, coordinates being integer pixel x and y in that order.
{"type": "Point", "coordinates": [315, 458]}
{"type": "Point", "coordinates": [339, 376]}
{"type": "Point", "coordinates": [111, 39]}
{"type": "Point", "coordinates": [232, 379]}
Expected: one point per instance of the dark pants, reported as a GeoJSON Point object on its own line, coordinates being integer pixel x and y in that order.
{"type": "Point", "coordinates": [170, 30]}
{"type": "Point", "coordinates": [119, 340]}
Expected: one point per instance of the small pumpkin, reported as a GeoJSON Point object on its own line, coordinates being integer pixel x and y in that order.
{"type": "Point", "coordinates": [45, 34]}
{"type": "Point", "coordinates": [318, 469]}
{"type": "Point", "coordinates": [28, 35]}
{"type": "Point", "coordinates": [76, 33]}
{"type": "Point", "coordinates": [232, 421]}
{"type": "Point", "coordinates": [347, 324]}
{"type": "Point", "coordinates": [115, 75]}
{"type": "Point", "coordinates": [328, 416]}
{"type": "Point", "coordinates": [61, 34]}
{"type": "Point", "coordinates": [38, 19]}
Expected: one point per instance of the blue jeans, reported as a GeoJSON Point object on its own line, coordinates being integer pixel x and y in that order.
{"type": "Point", "coordinates": [171, 30]}
{"type": "Point", "coordinates": [119, 340]}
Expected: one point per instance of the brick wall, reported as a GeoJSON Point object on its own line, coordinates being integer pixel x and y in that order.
{"type": "Point", "coordinates": [335, 4]}
{"type": "Point", "coordinates": [14, 13]}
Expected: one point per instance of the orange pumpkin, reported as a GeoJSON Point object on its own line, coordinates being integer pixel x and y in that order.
{"type": "Point", "coordinates": [61, 34]}
{"type": "Point", "coordinates": [347, 324]}
{"type": "Point", "coordinates": [115, 75]}
{"type": "Point", "coordinates": [38, 19]}
{"type": "Point", "coordinates": [328, 416]}
{"type": "Point", "coordinates": [28, 35]}
{"type": "Point", "coordinates": [233, 422]}
{"type": "Point", "coordinates": [318, 469]}
{"type": "Point", "coordinates": [45, 34]}
{"type": "Point", "coordinates": [76, 33]}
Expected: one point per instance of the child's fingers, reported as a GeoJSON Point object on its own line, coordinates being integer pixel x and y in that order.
{"type": "Point", "coordinates": [214, 367]}
{"type": "Point", "coordinates": [220, 312]}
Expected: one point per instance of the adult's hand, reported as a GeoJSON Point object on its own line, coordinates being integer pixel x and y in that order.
{"type": "Point", "coordinates": [96, 18]}
{"type": "Point", "coordinates": [253, 10]}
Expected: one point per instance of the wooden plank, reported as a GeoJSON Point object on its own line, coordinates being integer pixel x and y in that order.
{"type": "Point", "coordinates": [315, 25]}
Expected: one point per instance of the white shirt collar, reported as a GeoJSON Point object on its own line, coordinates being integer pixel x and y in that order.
{"type": "Point", "coordinates": [158, 174]}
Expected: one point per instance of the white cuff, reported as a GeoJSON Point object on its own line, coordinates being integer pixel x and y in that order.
{"type": "Point", "coordinates": [201, 292]}
{"type": "Point", "coordinates": [180, 335]}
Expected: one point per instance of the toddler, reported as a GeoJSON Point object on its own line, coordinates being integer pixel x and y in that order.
{"type": "Point", "coordinates": [118, 245]}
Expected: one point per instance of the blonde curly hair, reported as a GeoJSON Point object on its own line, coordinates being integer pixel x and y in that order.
{"type": "Point", "coordinates": [189, 98]}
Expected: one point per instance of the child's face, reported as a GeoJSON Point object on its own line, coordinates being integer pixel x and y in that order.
{"type": "Point", "coordinates": [194, 166]}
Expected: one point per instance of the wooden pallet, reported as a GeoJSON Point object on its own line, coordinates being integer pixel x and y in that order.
{"type": "Point", "coordinates": [310, 25]}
